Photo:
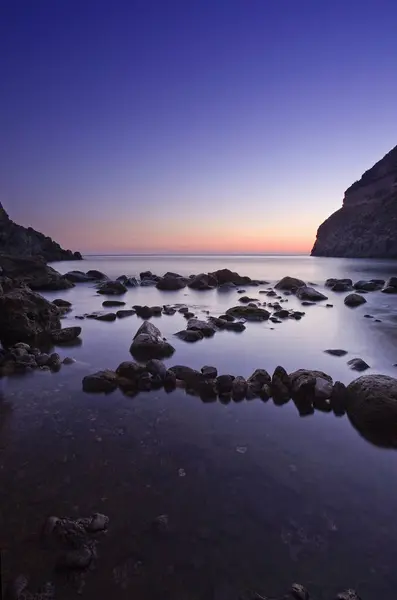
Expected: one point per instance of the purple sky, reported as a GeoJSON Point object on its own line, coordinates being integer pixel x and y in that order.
{"type": "Point", "coordinates": [191, 125]}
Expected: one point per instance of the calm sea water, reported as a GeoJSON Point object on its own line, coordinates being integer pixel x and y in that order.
{"type": "Point", "coordinates": [265, 497]}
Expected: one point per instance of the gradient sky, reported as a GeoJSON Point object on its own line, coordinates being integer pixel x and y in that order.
{"type": "Point", "coordinates": [191, 125]}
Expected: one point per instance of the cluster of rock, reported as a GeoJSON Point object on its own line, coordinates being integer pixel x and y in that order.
{"type": "Point", "coordinates": [22, 358]}
{"type": "Point", "coordinates": [25, 241]}
{"type": "Point", "coordinates": [366, 225]}
{"type": "Point", "coordinates": [361, 287]}
{"type": "Point", "coordinates": [32, 272]}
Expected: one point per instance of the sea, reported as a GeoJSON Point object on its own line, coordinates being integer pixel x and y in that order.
{"type": "Point", "coordinates": [255, 496]}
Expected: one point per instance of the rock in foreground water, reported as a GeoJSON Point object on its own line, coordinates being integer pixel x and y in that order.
{"type": "Point", "coordinates": [148, 343]}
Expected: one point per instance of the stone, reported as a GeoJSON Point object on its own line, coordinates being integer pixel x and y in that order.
{"type": "Point", "coordinates": [109, 303]}
{"type": "Point", "coordinates": [169, 310]}
{"type": "Point", "coordinates": [258, 379]}
{"type": "Point", "coordinates": [392, 282]}
{"type": "Point", "coordinates": [309, 293]}
{"type": "Point", "coordinates": [68, 360]}
{"type": "Point", "coordinates": [31, 271]}
{"type": "Point", "coordinates": [203, 281]}
{"type": "Point", "coordinates": [171, 282]}
{"type": "Point", "coordinates": [265, 392]}
{"type": "Point", "coordinates": [131, 282]}
{"type": "Point", "coordinates": [339, 285]}
{"type": "Point", "coordinates": [112, 288]}
{"type": "Point", "coordinates": [156, 367]}
{"type": "Point", "coordinates": [77, 277]}
{"type": "Point", "coordinates": [42, 360]}
{"type": "Point", "coordinates": [226, 287]}
{"type": "Point", "coordinates": [204, 327]}
{"type": "Point", "coordinates": [145, 382]}
{"type": "Point", "coordinates": [354, 300]}
{"type": "Point", "coordinates": [336, 352]}
{"type": "Point", "coordinates": [308, 303]}
{"type": "Point", "coordinates": [106, 317]}
{"type": "Point", "coordinates": [358, 364]}
{"type": "Point", "coordinates": [144, 312]}
{"type": "Point", "coordinates": [189, 376]}
{"type": "Point", "coordinates": [206, 389]}
{"type": "Point", "coordinates": [25, 315]}
{"type": "Point", "coordinates": [229, 318]}
{"type": "Point", "coordinates": [309, 383]}
{"type": "Point", "coordinates": [66, 335]}
{"type": "Point", "coordinates": [148, 343]}
{"type": "Point", "coordinates": [54, 361]}
{"type": "Point", "coordinates": [209, 372]}
{"type": "Point", "coordinates": [224, 384]}
{"type": "Point", "coordinates": [289, 283]}
{"type": "Point", "coordinates": [121, 314]}
{"type": "Point", "coordinates": [348, 595]}
{"type": "Point", "coordinates": [368, 286]}
{"type": "Point", "coordinates": [98, 275]}
{"type": "Point", "coordinates": [62, 303]}
{"type": "Point", "coordinates": [102, 381]}
{"type": "Point", "coordinates": [389, 290]}
{"type": "Point", "coordinates": [189, 335]}
{"type": "Point", "coordinates": [338, 399]}
{"type": "Point", "coordinates": [249, 313]}
{"type": "Point", "coordinates": [188, 315]}
{"type": "Point", "coordinates": [226, 276]}
{"type": "Point", "coordinates": [148, 282]}
{"type": "Point", "coordinates": [281, 314]}
{"type": "Point", "coordinates": [129, 370]}
{"type": "Point", "coordinates": [298, 592]}
{"type": "Point", "coordinates": [148, 275]}
{"type": "Point", "coordinates": [281, 385]}
{"type": "Point", "coordinates": [221, 323]}
{"type": "Point", "coordinates": [246, 299]}
{"type": "Point", "coordinates": [365, 225]}
{"type": "Point", "coordinates": [169, 381]}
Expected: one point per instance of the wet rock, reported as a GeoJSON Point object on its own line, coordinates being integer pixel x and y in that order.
{"type": "Point", "coordinates": [332, 282]}
{"type": "Point", "coordinates": [338, 398]}
{"type": "Point", "coordinates": [54, 361]}
{"type": "Point", "coordinates": [171, 282]}
{"type": "Point", "coordinates": [392, 282]}
{"type": "Point", "coordinates": [226, 287]}
{"type": "Point", "coordinates": [348, 595]}
{"type": "Point", "coordinates": [265, 392]}
{"type": "Point", "coordinates": [329, 306]}
{"type": "Point", "coordinates": [271, 293]}
{"type": "Point", "coordinates": [106, 317]}
{"type": "Point", "coordinates": [169, 310]}
{"type": "Point", "coordinates": [309, 293]}
{"type": "Point", "coordinates": [226, 276]}
{"type": "Point", "coordinates": [389, 289]}
{"type": "Point", "coordinates": [206, 389]}
{"type": "Point", "coordinates": [42, 360]}
{"type": "Point", "coordinates": [156, 367]}
{"type": "Point", "coordinates": [148, 282]}
{"type": "Point", "coordinates": [186, 374]}
{"type": "Point", "coordinates": [354, 300]}
{"type": "Point", "coordinates": [369, 286]}
{"type": "Point", "coordinates": [299, 592]}
{"type": "Point", "coordinates": [281, 385]}
{"type": "Point", "coordinates": [109, 303]}
{"type": "Point", "coordinates": [121, 314]}
{"type": "Point", "coordinates": [258, 379]}
{"type": "Point", "coordinates": [309, 383]}
{"type": "Point", "coordinates": [281, 314]}
{"type": "Point", "coordinates": [129, 387]}
{"type": "Point", "coordinates": [144, 312]}
{"type": "Point", "coordinates": [129, 370]}
{"type": "Point", "coordinates": [358, 364]}
{"type": "Point", "coordinates": [229, 318]}
{"type": "Point", "coordinates": [209, 372]}
{"type": "Point", "coordinates": [249, 313]}
{"type": "Point", "coordinates": [368, 317]}
{"type": "Point", "coordinates": [98, 275]}
{"type": "Point", "coordinates": [247, 299]}
{"type": "Point", "coordinates": [145, 382]}
{"type": "Point", "coordinates": [183, 310]}
{"type": "Point", "coordinates": [204, 327]}
{"type": "Point", "coordinates": [80, 559]}
{"type": "Point", "coordinates": [169, 381]}
{"type": "Point", "coordinates": [221, 323]}
{"type": "Point", "coordinates": [68, 360]}
{"type": "Point", "coordinates": [122, 278]}
{"type": "Point", "coordinates": [102, 381]}
{"type": "Point", "coordinates": [188, 315]}
{"type": "Point", "coordinates": [336, 352]}
{"type": "Point", "coordinates": [77, 277]}
{"type": "Point", "coordinates": [289, 283]}
{"type": "Point", "coordinates": [224, 384]}
{"type": "Point", "coordinates": [131, 282]}
{"type": "Point", "coordinates": [189, 335]}
{"type": "Point", "coordinates": [203, 281]}
{"type": "Point", "coordinates": [112, 288]}
{"type": "Point", "coordinates": [66, 335]}
{"type": "Point", "coordinates": [308, 303]}
{"type": "Point", "coordinates": [62, 303]}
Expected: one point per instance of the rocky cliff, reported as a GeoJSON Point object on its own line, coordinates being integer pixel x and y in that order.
{"type": "Point", "coordinates": [366, 225]}
{"type": "Point", "coordinates": [25, 241]}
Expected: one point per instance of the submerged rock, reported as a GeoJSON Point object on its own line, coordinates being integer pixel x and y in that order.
{"type": "Point", "coordinates": [354, 300]}
{"type": "Point", "coordinates": [204, 327]}
{"type": "Point", "coordinates": [148, 343]}
{"type": "Point", "coordinates": [203, 281]}
{"type": "Point", "coordinates": [171, 282]}
{"type": "Point", "coordinates": [309, 293]}
{"type": "Point", "coordinates": [281, 385]}
{"type": "Point", "coordinates": [230, 325]}
{"type": "Point", "coordinates": [189, 335]}
{"type": "Point", "coordinates": [62, 303]}
{"type": "Point", "coordinates": [289, 284]}
{"type": "Point", "coordinates": [65, 336]}
{"type": "Point", "coordinates": [102, 381]}
{"type": "Point", "coordinates": [306, 383]}
{"type": "Point", "coordinates": [336, 352]}
{"type": "Point", "coordinates": [106, 317]}
{"type": "Point", "coordinates": [109, 303]}
{"type": "Point", "coordinates": [121, 314]}
{"type": "Point", "coordinates": [250, 313]}
{"type": "Point", "coordinates": [358, 364]}
{"type": "Point", "coordinates": [112, 288]}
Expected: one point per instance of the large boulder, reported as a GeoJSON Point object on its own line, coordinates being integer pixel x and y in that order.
{"type": "Point", "coordinates": [372, 408]}
{"type": "Point", "coordinates": [289, 283]}
{"type": "Point", "coordinates": [112, 288]}
{"type": "Point", "coordinates": [203, 281]}
{"type": "Point", "coordinates": [24, 315]}
{"type": "Point", "coordinates": [171, 282]}
{"type": "Point", "coordinates": [369, 286]}
{"type": "Point", "coordinates": [226, 276]}
{"type": "Point", "coordinates": [32, 272]}
{"type": "Point", "coordinates": [306, 383]}
{"type": "Point", "coordinates": [250, 313]}
{"type": "Point", "coordinates": [281, 385]}
{"type": "Point", "coordinates": [97, 275]}
{"type": "Point", "coordinates": [149, 343]}
{"type": "Point", "coordinates": [353, 300]}
{"type": "Point", "coordinates": [339, 285]}
{"type": "Point", "coordinates": [309, 293]}
{"type": "Point", "coordinates": [65, 336]}
{"type": "Point", "coordinates": [188, 335]}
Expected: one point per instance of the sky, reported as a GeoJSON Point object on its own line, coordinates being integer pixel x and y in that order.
{"type": "Point", "coordinates": [191, 125]}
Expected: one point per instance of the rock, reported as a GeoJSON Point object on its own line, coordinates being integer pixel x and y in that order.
{"type": "Point", "coordinates": [121, 314]}
{"type": "Point", "coordinates": [309, 293]}
{"type": "Point", "coordinates": [112, 288]}
{"type": "Point", "coordinates": [369, 286]}
{"type": "Point", "coordinates": [188, 335]}
{"type": "Point", "coordinates": [54, 361]}
{"type": "Point", "coordinates": [32, 272]}
{"type": "Point", "coordinates": [188, 315]}
{"type": "Point", "coordinates": [169, 310]}
{"type": "Point", "coordinates": [281, 385]}
{"type": "Point", "coordinates": [22, 346]}
{"type": "Point", "coordinates": [221, 323]}
{"type": "Point", "coordinates": [190, 376]}
{"type": "Point", "coordinates": [358, 364]}
{"type": "Point", "coordinates": [156, 367]}
{"type": "Point", "coordinates": [289, 283]}
{"type": "Point", "coordinates": [336, 352]}
{"type": "Point", "coordinates": [365, 225]}
{"type": "Point", "coordinates": [249, 313]}
{"type": "Point", "coordinates": [206, 389]}
{"type": "Point", "coordinates": [42, 360]}
{"type": "Point", "coordinates": [281, 314]}
{"type": "Point", "coordinates": [171, 282]}
{"type": "Point", "coordinates": [65, 336]}
{"type": "Point", "coordinates": [106, 317]}
{"type": "Point", "coordinates": [307, 383]}
{"type": "Point", "coordinates": [68, 360]}
{"type": "Point", "coordinates": [209, 372]}
{"type": "Point", "coordinates": [203, 281]}
{"type": "Point", "coordinates": [98, 275]}
{"type": "Point", "coordinates": [348, 595]}
{"type": "Point", "coordinates": [148, 275]}
{"type": "Point", "coordinates": [392, 282]}
{"type": "Point", "coordinates": [131, 282]}
{"type": "Point", "coordinates": [354, 300]}
{"type": "Point", "coordinates": [25, 241]}
{"type": "Point", "coordinates": [122, 278]}
{"type": "Point", "coordinates": [61, 303]}
{"type": "Point", "coordinates": [246, 299]}
{"type": "Point", "coordinates": [148, 343]}
{"type": "Point", "coordinates": [77, 277]}
{"type": "Point", "coordinates": [338, 399]}
{"type": "Point", "coordinates": [265, 392]}
{"type": "Point", "coordinates": [109, 303]}
{"type": "Point", "coordinates": [229, 318]}
{"type": "Point", "coordinates": [102, 381]}
{"type": "Point", "coordinates": [129, 370]}
{"type": "Point", "coordinates": [25, 315]}
{"type": "Point", "coordinates": [224, 384]}
{"type": "Point", "coordinates": [226, 276]}
{"type": "Point", "coordinates": [205, 328]}
{"type": "Point", "coordinates": [226, 287]}
{"type": "Point", "coordinates": [389, 290]}
{"type": "Point", "coordinates": [298, 592]}
{"type": "Point", "coordinates": [148, 282]}
{"type": "Point", "coordinates": [169, 381]}
{"type": "Point", "coordinates": [258, 379]}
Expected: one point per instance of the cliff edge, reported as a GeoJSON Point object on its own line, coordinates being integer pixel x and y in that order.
{"type": "Point", "coordinates": [366, 225]}
{"type": "Point", "coordinates": [25, 241]}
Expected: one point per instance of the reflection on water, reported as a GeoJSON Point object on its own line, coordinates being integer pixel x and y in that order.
{"type": "Point", "coordinates": [255, 496]}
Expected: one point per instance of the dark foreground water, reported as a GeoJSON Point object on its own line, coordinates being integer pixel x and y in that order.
{"type": "Point", "coordinates": [256, 496]}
